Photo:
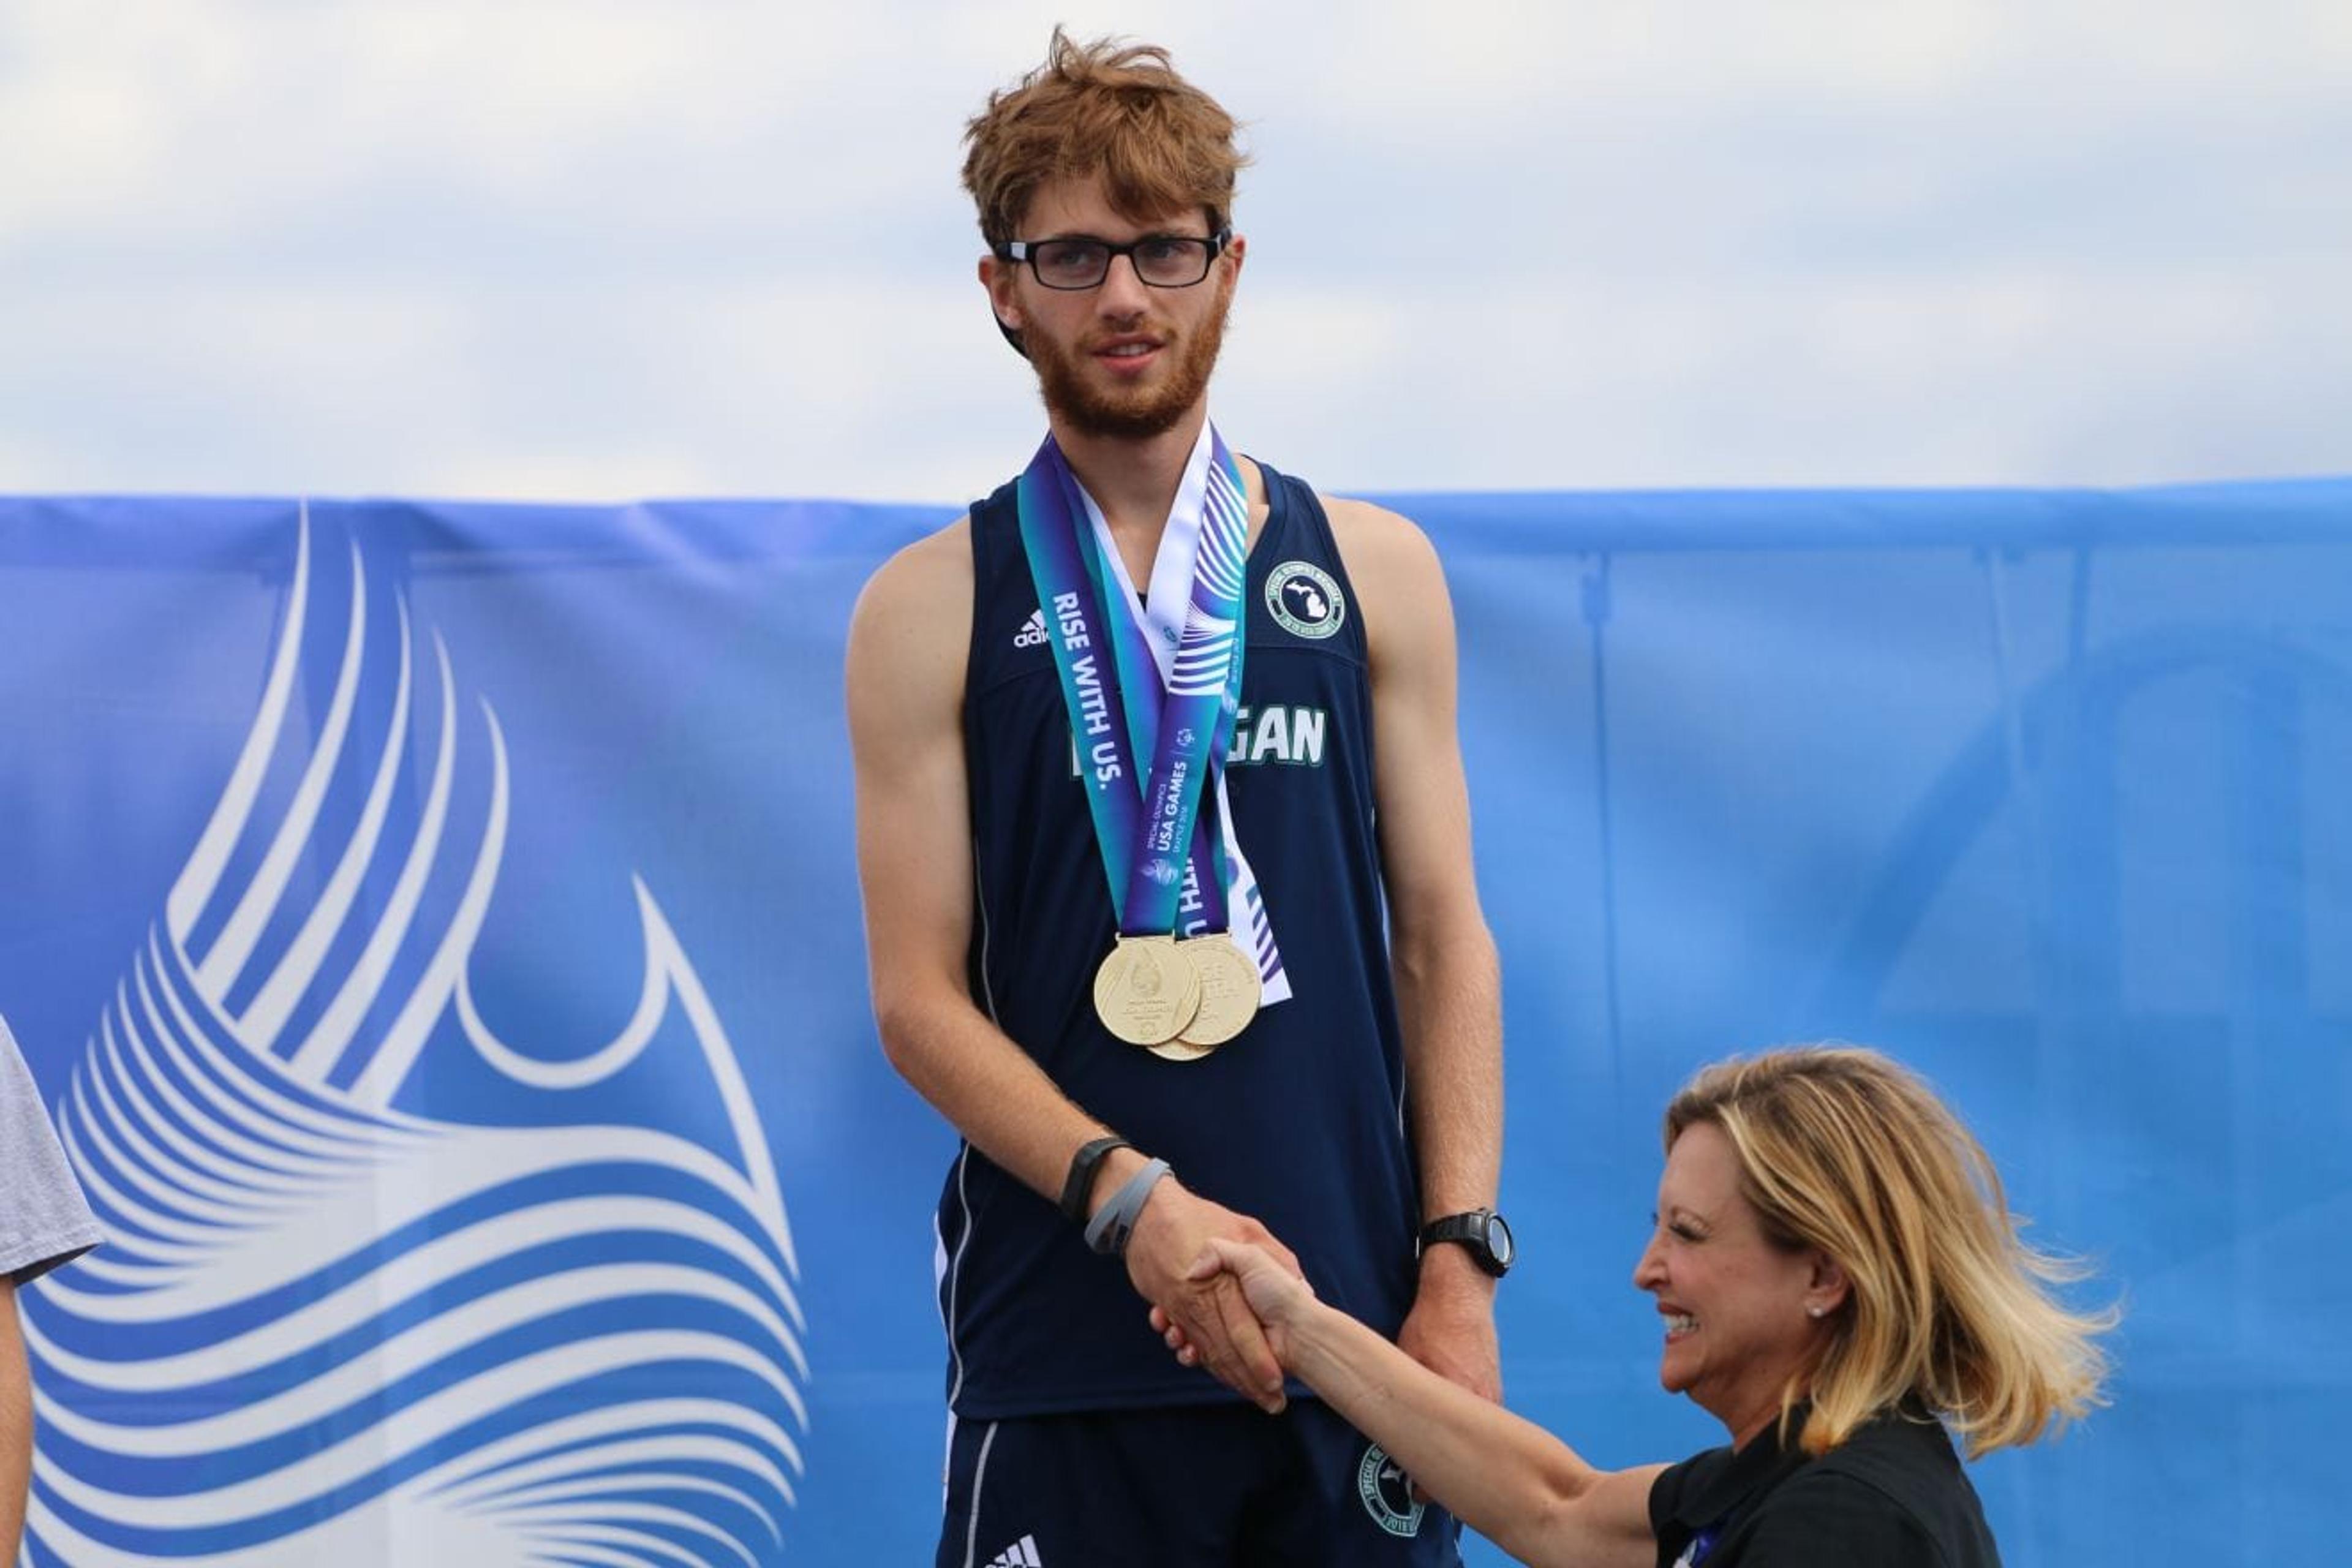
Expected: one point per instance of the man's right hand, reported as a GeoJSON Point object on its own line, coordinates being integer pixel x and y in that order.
{"type": "Point", "coordinates": [1174, 1229]}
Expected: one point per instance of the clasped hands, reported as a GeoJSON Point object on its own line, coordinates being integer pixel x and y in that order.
{"type": "Point", "coordinates": [1194, 1261]}
{"type": "Point", "coordinates": [1225, 1293]}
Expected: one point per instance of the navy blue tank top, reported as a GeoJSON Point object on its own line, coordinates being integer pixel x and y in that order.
{"type": "Point", "coordinates": [1299, 1122]}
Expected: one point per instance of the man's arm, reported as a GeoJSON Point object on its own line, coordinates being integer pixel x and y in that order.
{"type": "Point", "coordinates": [907, 642]}
{"type": "Point", "coordinates": [1448, 982]}
{"type": "Point", "coordinates": [15, 1424]}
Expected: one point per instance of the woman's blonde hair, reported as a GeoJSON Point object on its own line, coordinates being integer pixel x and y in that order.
{"type": "Point", "coordinates": [1843, 1150]}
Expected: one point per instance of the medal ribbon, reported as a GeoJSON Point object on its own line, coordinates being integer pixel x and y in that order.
{"type": "Point", "coordinates": [1188, 647]}
{"type": "Point", "coordinates": [1173, 686]}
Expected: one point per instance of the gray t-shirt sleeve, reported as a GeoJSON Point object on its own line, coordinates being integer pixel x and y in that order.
{"type": "Point", "coordinates": [43, 1220]}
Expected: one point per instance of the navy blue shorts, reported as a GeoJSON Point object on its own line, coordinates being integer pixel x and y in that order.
{"type": "Point", "coordinates": [1218, 1486]}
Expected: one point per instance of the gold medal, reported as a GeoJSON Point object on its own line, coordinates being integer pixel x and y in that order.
{"type": "Point", "coordinates": [1230, 989]}
{"type": "Point", "coordinates": [1180, 1049]}
{"type": "Point", "coordinates": [1147, 990]}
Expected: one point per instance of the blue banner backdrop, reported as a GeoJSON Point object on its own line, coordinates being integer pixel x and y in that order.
{"type": "Point", "coordinates": [436, 931]}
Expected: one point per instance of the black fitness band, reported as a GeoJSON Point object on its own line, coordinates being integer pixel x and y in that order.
{"type": "Point", "coordinates": [1080, 1183]}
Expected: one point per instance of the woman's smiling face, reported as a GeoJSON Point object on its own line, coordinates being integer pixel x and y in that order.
{"type": "Point", "coordinates": [1743, 1313]}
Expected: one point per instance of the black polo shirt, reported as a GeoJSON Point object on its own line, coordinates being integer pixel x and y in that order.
{"type": "Point", "coordinates": [1891, 1496]}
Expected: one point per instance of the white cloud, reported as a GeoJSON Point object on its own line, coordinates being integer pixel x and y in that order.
{"type": "Point", "coordinates": [717, 246]}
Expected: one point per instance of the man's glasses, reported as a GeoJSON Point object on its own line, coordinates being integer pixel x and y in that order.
{"type": "Point", "coordinates": [1161, 260]}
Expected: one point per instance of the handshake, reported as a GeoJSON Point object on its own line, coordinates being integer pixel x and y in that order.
{"type": "Point", "coordinates": [1222, 1289]}
{"type": "Point", "coordinates": [1228, 1297]}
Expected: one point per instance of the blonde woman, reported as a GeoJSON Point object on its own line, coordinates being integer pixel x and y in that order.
{"type": "Point", "coordinates": [1842, 1285]}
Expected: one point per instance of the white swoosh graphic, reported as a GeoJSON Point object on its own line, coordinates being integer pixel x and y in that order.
{"type": "Point", "coordinates": [326, 1328]}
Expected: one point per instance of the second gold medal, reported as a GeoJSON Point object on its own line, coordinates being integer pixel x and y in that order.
{"type": "Point", "coordinates": [1230, 989]}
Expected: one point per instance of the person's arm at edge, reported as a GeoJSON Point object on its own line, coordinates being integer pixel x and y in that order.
{"type": "Point", "coordinates": [1442, 957]}
{"type": "Point", "coordinates": [1503, 1476]}
{"type": "Point", "coordinates": [15, 1424]}
{"type": "Point", "coordinates": [907, 643]}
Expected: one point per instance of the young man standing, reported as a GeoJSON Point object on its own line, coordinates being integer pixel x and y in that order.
{"type": "Point", "coordinates": [1180, 952]}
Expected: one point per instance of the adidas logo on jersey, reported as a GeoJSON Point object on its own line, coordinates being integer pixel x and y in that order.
{"type": "Point", "coordinates": [1022, 1553]}
{"type": "Point", "coordinates": [1033, 631]}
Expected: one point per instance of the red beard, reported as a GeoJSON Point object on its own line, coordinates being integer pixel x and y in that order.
{"type": "Point", "coordinates": [1129, 412]}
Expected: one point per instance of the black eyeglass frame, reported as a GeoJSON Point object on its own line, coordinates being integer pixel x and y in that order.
{"type": "Point", "coordinates": [1024, 250]}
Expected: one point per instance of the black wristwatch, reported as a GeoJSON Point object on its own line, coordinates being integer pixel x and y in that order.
{"type": "Point", "coordinates": [1486, 1234]}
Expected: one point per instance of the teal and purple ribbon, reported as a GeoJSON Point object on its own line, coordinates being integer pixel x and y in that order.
{"type": "Point", "coordinates": [1156, 841]}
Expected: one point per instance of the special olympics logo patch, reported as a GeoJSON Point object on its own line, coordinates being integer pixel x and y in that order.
{"type": "Point", "coordinates": [1305, 600]}
{"type": "Point", "coordinates": [1387, 1492]}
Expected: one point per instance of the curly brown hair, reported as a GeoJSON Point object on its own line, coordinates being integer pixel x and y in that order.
{"type": "Point", "coordinates": [1110, 109]}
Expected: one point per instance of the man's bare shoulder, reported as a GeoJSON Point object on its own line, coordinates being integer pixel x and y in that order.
{"type": "Point", "coordinates": [921, 577]}
{"type": "Point", "coordinates": [1386, 552]}
{"type": "Point", "coordinates": [908, 631]}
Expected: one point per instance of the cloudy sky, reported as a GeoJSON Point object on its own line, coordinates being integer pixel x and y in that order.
{"type": "Point", "coordinates": [602, 250]}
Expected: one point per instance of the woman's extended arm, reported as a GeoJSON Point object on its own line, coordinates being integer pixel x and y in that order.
{"type": "Point", "coordinates": [1503, 1476]}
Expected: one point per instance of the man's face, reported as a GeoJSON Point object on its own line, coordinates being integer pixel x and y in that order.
{"type": "Point", "coordinates": [1122, 359]}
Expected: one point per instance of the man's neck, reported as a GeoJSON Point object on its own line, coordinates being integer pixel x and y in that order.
{"type": "Point", "coordinates": [1133, 481]}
